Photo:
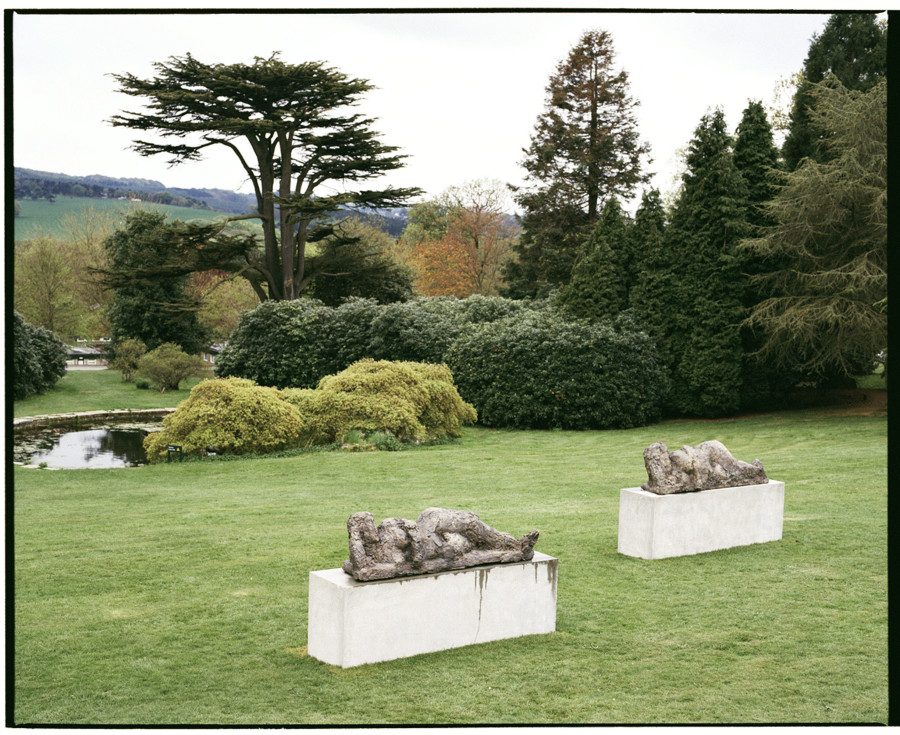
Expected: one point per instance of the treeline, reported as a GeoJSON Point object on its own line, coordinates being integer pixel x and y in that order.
{"type": "Point", "coordinates": [767, 270]}
{"type": "Point", "coordinates": [35, 185]}
{"type": "Point", "coordinates": [42, 183]}
{"type": "Point", "coordinates": [49, 189]}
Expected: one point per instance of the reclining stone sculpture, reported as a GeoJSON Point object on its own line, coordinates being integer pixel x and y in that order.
{"type": "Point", "coordinates": [437, 541]}
{"type": "Point", "coordinates": [703, 467]}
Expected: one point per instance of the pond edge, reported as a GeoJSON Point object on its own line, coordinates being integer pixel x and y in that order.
{"type": "Point", "coordinates": [27, 423]}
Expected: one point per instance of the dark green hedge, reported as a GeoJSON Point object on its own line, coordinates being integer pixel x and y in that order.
{"type": "Point", "coordinates": [39, 358]}
{"type": "Point", "coordinates": [543, 371]}
{"type": "Point", "coordinates": [296, 343]}
{"type": "Point", "coordinates": [521, 364]}
{"type": "Point", "coordinates": [286, 344]}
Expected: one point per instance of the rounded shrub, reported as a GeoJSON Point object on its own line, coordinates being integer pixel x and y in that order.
{"type": "Point", "coordinates": [168, 365]}
{"type": "Point", "coordinates": [540, 370]}
{"type": "Point", "coordinates": [39, 358]}
{"type": "Point", "coordinates": [411, 401]}
{"type": "Point", "coordinates": [128, 354]}
{"type": "Point", "coordinates": [422, 330]}
{"type": "Point", "coordinates": [351, 331]}
{"type": "Point", "coordinates": [230, 416]}
{"type": "Point", "coordinates": [282, 344]}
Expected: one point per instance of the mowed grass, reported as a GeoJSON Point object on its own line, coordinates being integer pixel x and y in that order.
{"type": "Point", "coordinates": [177, 593]}
{"type": "Point", "coordinates": [97, 390]}
{"type": "Point", "coordinates": [41, 217]}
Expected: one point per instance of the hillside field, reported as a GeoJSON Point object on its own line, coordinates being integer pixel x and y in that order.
{"type": "Point", "coordinates": [40, 217]}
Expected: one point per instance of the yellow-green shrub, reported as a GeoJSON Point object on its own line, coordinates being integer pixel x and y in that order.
{"type": "Point", "coordinates": [231, 415]}
{"type": "Point", "coordinates": [411, 400]}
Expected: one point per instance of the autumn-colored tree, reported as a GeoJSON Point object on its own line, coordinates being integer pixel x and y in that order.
{"type": "Point", "coordinates": [469, 256]}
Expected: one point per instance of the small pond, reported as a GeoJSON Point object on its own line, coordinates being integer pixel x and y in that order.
{"type": "Point", "coordinates": [105, 446]}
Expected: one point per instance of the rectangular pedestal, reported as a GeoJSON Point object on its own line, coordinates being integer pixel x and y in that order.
{"type": "Point", "coordinates": [353, 623]}
{"type": "Point", "coordinates": [655, 526]}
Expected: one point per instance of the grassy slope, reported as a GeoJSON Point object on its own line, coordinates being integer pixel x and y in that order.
{"type": "Point", "coordinates": [178, 593]}
{"type": "Point", "coordinates": [45, 218]}
{"type": "Point", "coordinates": [96, 390]}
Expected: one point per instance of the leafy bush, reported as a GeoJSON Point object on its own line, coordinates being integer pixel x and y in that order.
{"type": "Point", "coordinates": [39, 358]}
{"type": "Point", "coordinates": [520, 363]}
{"type": "Point", "coordinates": [168, 365]}
{"type": "Point", "coordinates": [423, 330]}
{"type": "Point", "coordinates": [228, 415]}
{"type": "Point", "coordinates": [128, 355]}
{"type": "Point", "coordinates": [142, 384]}
{"type": "Point", "coordinates": [540, 370]}
{"type": "Point", "coordinates": [282, 344]}
{"type": "Point", "coordinates": [352, 331]}
{"type": "Point", "coordinates": [384, 442]}
{"type": "Point", "coordinates": [296, 343]}
{"type": "Point", "coordinates": [408, 400]}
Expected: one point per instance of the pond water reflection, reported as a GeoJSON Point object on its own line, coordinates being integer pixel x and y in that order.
{"type": "Point", "coordinates": [100, 447]}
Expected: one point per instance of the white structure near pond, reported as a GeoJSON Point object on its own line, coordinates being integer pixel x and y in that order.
{"type": "Point", "coordinates": [655, 526]}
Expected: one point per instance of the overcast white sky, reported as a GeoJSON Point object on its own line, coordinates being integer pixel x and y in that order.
{"type": "Point", "coordinates": [459, 93]}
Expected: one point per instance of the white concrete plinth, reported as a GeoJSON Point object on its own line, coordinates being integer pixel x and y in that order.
{"type": "Point", "coordinates": [353, 623]}
{"type": "Point", "coordinates": [655, 526]}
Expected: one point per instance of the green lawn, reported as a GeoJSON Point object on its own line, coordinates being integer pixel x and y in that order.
{"type": "Point", "coordinates": [97, 390]}
{"type": "Point", "coordinates": [177, 593]}
{"type": "Point", "coordinates": [40, 217]}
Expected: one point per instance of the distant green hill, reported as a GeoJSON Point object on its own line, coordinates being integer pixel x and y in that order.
{"type": "Point", "coordinates": [39, 214]}
{"type": "Point", "coordinates": [40, 217]}
{"type": "Point", "coordinates": [33, 184]}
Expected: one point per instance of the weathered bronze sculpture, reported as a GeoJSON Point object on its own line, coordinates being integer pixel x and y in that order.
{"type": "Point", "coordinates": [706, 466]}
{"type": "Point", "coordinates": [437, 541]}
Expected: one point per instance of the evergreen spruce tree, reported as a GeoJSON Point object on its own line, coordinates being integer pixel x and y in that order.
{"type": "Point", "coordinates": [703, 299]}
{"type": "Point", "coordinates": [584, 150]}
{"type": "Point", "coordinates": [653, 273]}
{"type": "Point", "coordinates": [599, 285]}
{"type": "Point", "coordinates": [826, 309]}
{"type": "Point", "coordinates": [756, 158]}
{"type": "Point", "coordinates": [852, 47]}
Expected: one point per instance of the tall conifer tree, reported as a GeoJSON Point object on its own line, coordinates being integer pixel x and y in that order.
{"type": "Point", "coordinates": [852, 47]}
{"type": "Point", "coordinates": [756, 158]}
{"type": "Point", "coordinates": [703, 301]}
{"type": "Point", "coordinates": [827, 303]}
{"type": "Point", "coordinates": [584, 150]}
{"type": "Point", "coordinates": [653, 272]}
{"type": "Point", "coordinates": [599, 285]}
{"type": "Point", "coordinates": [292, 128]}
